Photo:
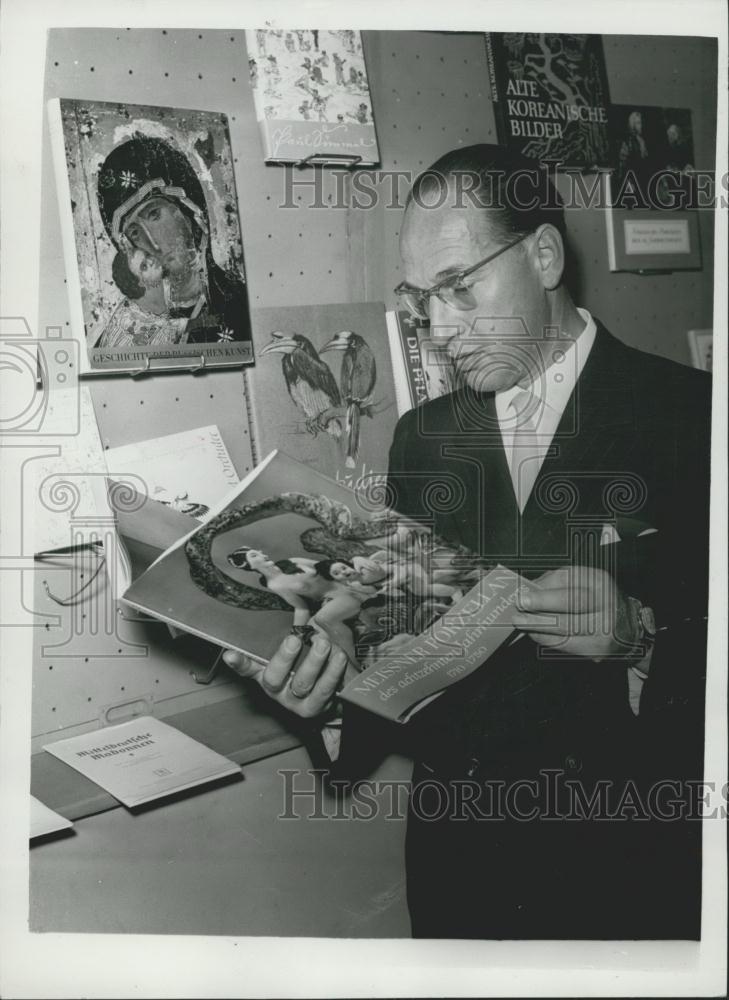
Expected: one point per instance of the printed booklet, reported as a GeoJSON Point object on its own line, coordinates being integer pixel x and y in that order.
{"type": "Point", "coordinates": [142, 760]}
{"type": "Point", "coordinates": [291, 549]}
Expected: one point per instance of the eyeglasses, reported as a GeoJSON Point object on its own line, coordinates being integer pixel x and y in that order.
{"type": "Point", "coordinates": [93, 548]}
{"type": "Point", "coordinates": [453, 290]}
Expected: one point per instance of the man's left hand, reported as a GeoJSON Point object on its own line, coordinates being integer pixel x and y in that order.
{"type": "Point", "coordinates": [581, 611]}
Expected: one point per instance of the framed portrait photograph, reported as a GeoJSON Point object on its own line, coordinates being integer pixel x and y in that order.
{"type": "Point", "coordinates": [652, 197]}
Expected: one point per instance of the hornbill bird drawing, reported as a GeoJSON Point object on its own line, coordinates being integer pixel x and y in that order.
{"type": "Point", "coordinates": [356, 382]}
{"type": "Point", "coordinates": [309, 381]}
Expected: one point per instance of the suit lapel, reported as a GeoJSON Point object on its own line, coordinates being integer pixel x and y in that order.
{"type": "Point", "coordinates": [474, 452]}
{"type": "Point", "coordinates": [590, 439]}
{"type": "Point", "coordinates": [586, 452]}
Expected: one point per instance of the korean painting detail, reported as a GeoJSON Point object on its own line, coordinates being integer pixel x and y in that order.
{"type": "Point", "coordinates": [157, 234]}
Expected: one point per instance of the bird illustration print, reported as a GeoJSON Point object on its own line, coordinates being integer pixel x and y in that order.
{"type": "Point", "coordinates": [309, 382]}
{"type": "Point", "coordinates": [356, 384]}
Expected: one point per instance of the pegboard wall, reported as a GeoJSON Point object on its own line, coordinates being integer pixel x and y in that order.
{"type": "Point", "coordinates": [95, 659]}
{"type": "Point", "coordinates": [430, 93]}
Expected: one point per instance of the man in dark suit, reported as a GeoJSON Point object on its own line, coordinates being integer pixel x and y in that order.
{"type": "Point", "coordinates": [554, 794]}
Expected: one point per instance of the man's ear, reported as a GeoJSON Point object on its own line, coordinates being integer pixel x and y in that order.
{"type": "Point", "coordinates": [550, 259]}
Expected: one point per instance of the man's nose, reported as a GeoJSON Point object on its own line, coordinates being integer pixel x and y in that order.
{"type": "Point", "coordinates": [445, 323]}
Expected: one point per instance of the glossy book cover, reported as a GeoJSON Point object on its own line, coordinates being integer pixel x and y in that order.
{"type": "Point", "coordinates": [323, 387]}
{"type": "Point", "coordinates": [550, 96]}
{"type": "Point", "coordinates": [312, 95]}
{"type": "Point", "coordinates": [291, 549]}
{"type": "Point", "coordinates": [151, 235]}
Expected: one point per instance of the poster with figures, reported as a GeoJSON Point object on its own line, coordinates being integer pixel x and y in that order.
{"type": "Point", "coordinates": [550, 96]}
{"type": "Point", "coordinates": [151, 235]}
{"type": "Point", "coordinates": [312, 95]}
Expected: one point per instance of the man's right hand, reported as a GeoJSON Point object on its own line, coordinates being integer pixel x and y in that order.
{"type": "Point", "coordinates": [307, 687]}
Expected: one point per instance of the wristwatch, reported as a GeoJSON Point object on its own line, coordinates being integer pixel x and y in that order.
{"type": "Point", "coordinates": [644, 625]}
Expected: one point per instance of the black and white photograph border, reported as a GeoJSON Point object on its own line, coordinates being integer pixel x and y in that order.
{"type": "Point", "coordinates": [166, 965]}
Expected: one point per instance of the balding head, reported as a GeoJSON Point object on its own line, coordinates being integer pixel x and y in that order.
{"type": "Point", "coordinates": [516, 192]}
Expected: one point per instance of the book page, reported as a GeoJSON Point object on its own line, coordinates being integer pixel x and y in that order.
{"type": "Point", "coordinates": [189, 471]}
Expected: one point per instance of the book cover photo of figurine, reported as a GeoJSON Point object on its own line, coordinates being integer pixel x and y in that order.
{"type": "Point", "coordinates": [290, 550]}
{"type": "Point", "coordinates": [151, 233]}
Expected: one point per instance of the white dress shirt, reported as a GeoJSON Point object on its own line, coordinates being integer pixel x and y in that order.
{"type": "Point", "coordinates": [550, 392]}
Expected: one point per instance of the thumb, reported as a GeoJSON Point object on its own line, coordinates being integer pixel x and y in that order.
{"type": "Point", "coordinates": [242, 665]}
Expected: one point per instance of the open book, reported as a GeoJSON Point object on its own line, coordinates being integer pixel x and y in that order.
{"type": "Point", "coordinates": [291, 548]}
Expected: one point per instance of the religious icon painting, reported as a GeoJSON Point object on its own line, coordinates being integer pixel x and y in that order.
{"type": "Point", "coordinates": [151, 235]}
{"type": "Point", "coordinates": [312, 96]}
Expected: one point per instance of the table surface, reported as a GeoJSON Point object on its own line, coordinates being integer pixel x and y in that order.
{"type": "Point", "coordinates": [222, 861]}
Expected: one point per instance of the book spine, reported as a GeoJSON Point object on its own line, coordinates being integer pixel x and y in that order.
{"type": "Point", "coordinates": [255, 54]}
{"type": "Point", "coordinates": [403, 388]}
{"type": "Point", "coordinates": [498, 104]}
{"type": "Point", "coordinates": [491, 68]}
{"type": "Point", "coordinates": [407, 364]}
{"type": "Point", "coordinates": [249, 403]}
{"type": "Point", "coordinates": [437, 367]}
{"type": "Point", "coordinates": [610, 223]}
{"type": "Point", "coordinates": [374, 158]}
{"type": "Point", "coordinates": [68, 236]}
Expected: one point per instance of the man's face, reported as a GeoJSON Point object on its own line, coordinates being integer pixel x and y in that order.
{"type": "Point", "coordinates": [495, 344]}
{"type": "Point", "coordinates": [163, 231]}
